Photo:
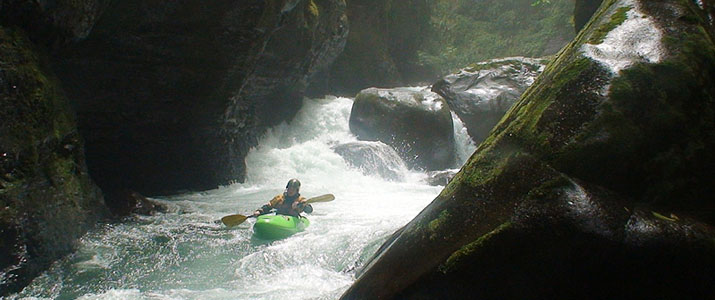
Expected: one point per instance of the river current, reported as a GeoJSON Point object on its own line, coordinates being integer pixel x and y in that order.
{"type": "Point", "coordinates": [185, 253]}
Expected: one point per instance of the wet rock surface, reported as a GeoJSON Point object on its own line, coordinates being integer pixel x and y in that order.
{"type": "Point", "coordinates": [482, 94]}
{"type": "Point", "coordinates": [417, 123]}
{"type": "Point", "coordinates": [373, 158]}
{"type": "Point", "coordinates": [441, 177]}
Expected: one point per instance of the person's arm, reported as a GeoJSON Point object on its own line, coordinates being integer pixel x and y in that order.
{"type": "Point", "coordinates": [303, 207]}
{"type": "Point", "coordinates": [266, 208]}
{"type": "Point", "coordinates": [308, 208]}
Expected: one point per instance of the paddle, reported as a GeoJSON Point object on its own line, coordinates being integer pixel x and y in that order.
{"type": "Point", "coordinates": [233, 220]}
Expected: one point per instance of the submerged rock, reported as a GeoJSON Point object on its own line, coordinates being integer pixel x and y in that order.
{"type": "Point", "coordinates": [595, 185]}
{"type": "Point", "coordinates": [373, 158]}
{"type": "Point", "coordinates": [417, 123]}
{"type": "Point", "coordinates": [482, 94]}
{"type": "Point", "coordinates": [132, 202]}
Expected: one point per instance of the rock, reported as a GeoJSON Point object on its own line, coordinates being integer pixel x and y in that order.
{"type": "Point", "coordinates": [134, 203]}
{"type": "Point", "coordinates": [381, 49]}
{"type": "Point", "coordinates": [440, 177]}
{"type": "Point", "coordinates": [480, 95]}
{"type": "Point", "coordinates": [415, 122]}
{"type": "Point", "coordinates": [53, 23]}
{"type": "Point", "coordinates": [373, 158]}
{"type": "Point", "coordinates": [171, 95]}
{"type": "Point", "coordinates": [595, 185]}
{"type": "Point", "coordinates": [47, 199]}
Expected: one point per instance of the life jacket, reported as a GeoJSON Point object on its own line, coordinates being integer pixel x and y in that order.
{"type": "Point", "coordinates": [284, 205]}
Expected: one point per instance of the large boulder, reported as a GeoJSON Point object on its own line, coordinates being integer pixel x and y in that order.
{"type": "Point", "coordinates": [480, 95]}
{"type": "Point", "coordinates": [597, 184]}
{"type": "Point", "coordinates": [47, 199]}
{"type": "Point", "coordinates": [373, 158]}
{"type": "Point", "coordinates": [415, 122]}
{"type": "Point", "coordinates": [171, 95]}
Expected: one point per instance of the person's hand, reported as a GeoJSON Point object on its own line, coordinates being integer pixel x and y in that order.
{"type": "Point", "coordinates": [256, 213]}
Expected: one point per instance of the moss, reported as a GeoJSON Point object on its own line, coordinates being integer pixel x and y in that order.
{"type": "Point", "coordinates": [483, 168]}
{"type": "Point", "coordinates": [552, 109]}
{"type": "Point", "coordinates": [469, 249]}
{"type": "Point", "coordinates": [436, 225]}
{"type": "Point", "coordinates": [664, 218]}
{"type": "Point", "coordinates": [602, 31]}
{"type": "Point", "coordinates": [549, 190]}
{"type": "Point", "coordinates": [313, 9]}
{"type": "Point", "coordinates": [39, 104]}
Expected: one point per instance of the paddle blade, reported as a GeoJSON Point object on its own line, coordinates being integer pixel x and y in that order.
{"type": "Point", "coordinates": [233, 220]}
{"type": "Point", "coordinates": [323, 198]}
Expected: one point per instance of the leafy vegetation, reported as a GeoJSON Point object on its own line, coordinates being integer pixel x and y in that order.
{"type": "Point", "coordinates": [467, 31]}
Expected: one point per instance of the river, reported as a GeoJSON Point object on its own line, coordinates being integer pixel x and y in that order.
{"type": "Point", "coordinates": [185, 253]}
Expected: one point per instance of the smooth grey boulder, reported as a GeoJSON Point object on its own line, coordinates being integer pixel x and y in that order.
{"type": "Point", "coordinates": [373, 158]}
{"type": "Point", "coordinates": [415, 122]}
{"type": "Point", "coordinates": [480, 95]}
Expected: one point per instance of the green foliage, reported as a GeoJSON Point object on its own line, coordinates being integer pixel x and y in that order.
{"type": "Point", "coordinates": [465, 32]}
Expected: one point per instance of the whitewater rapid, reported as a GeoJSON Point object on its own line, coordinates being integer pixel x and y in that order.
{"type": "Point", "coordinates": [185, 253]}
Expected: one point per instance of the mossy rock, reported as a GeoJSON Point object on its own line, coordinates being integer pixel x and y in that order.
{"type": "Point", "coordinates": [47, 199]}
{"type": "Point", "coordinates": [594, 185]}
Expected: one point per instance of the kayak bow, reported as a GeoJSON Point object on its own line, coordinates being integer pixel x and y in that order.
{"type": "Point", "coordinates": [274, 227]}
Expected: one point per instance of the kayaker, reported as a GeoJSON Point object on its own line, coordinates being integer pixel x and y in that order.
{"type": "Point", "coordinates": [289, 203]}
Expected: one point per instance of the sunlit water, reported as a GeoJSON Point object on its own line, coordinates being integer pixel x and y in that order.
{"type": "Point", "coordinates": [185, 254]}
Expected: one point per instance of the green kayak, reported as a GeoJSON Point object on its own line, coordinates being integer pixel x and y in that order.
{"type": "Point", "coordinates": [275, 227]}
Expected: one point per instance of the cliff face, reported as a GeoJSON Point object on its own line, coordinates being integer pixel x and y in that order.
{"type": "Point", "coordinates": [171, 95]}
{"type": "Point", "coordinates": [47, 199]}
{"type": "Point", "coordinates": [53, 23]}
{"type": "Point", "coordinates": [596, 184]}
{"type": "Point", "coordinates": [381, 49]}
